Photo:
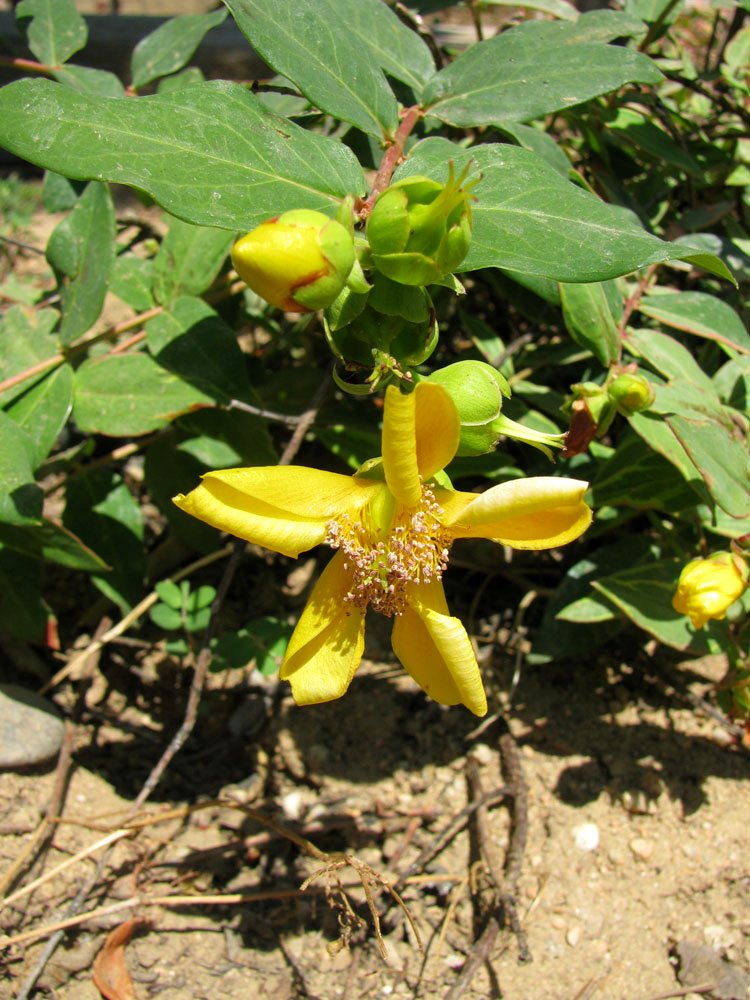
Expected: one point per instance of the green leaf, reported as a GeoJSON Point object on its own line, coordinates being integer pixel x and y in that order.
{"type": "Point", "coordinates": [188, 260]}
{"type": "Point", "coordinates": [124, 394]}
{"type": "Point", "coordinates": [171, 45]}
{"type": "Point", "coordinates": [636, 476]}
{"type": "Point", "coordinates": [55, 29]}
{"type": "Point", "coordinates": [644, 593]}
{"type": "Point", "coordinates": [211, 154]}
{"type": "Point", "coordinates": [587, 610]}
{"type": "Point", "coordinates": [589, 319]}
{"type": "Point", "coordinates": [557, 8]}
{"type": "Point", "coordinates": [166, 617]}
{"type": "Point", "coordinates": [691, 250]}
{"type": "Point", "coordinates": [721, 456]}
{"type": "Point", "coordinates": [20, 497]}
{"type": "Point", "coordinates": [667, 356]}
{"type": "Point", "coordinates": [200, 598]}
{"type": "Point", "coordinates": [195, 343]}
{"type": "Point", "coordinates": [638, 130]}
{"type": "Point", "coordinates": [528, 218]}
{"type": "Point", "coordinates": [170, 593]}
{"type": "Point", "coordinates": [698, 313]}
{"type": "Point", "coordinates": [101, 510]}
{"type": "Point", "coordinates": [533, 70]}
{"type": "Point", "coordinates": [186, 78]}
{"type": "Point", "coordinates": [243, 433]}
{"type": "Point", "coordinates": [51, 542]}
{"type": "Point", "coordinates": [58, 193]}
{"type": "Point", "coordinates": [332, 51]}
{"type": "Point", "coordinates": [539, 142]}
{"type": "Point", "coordinates": [26, 340]}
{"type": "Point", "coordinates": [93, 82]}
{"type": "Point", "coordinates": [658, 435]}
{"type": "Point", "coordinates": [22, 610]}
{"type": "Point", "coordinates": [131, 280]}
{"type": "Point", "coordinates": [264, 640]}
{"type": "Point", "coordinates": [81, 251]}
{"type": "Point", "coordinates": [43, 410]}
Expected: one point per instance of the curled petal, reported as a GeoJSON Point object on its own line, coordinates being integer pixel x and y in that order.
{"type": "Point", "coordinates": [536, 513]}
{"type": "Point", "coordinates": [283, 508]}
{"type": "Point", "coordinates": [435, 649]}
{"type": "Point", "coordinates": [327, 644]}
{"type": "Point", "coordinates": [420, 437]}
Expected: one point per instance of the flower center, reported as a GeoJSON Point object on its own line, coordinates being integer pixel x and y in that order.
{"type": "Point", "coordinates": [415, 550]}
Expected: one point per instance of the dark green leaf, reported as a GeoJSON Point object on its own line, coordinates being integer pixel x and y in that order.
{"type": "Point", "coordinates": [26, 340]}
{"type": "Point", "coordinates": [721, 456]}
{"type": "Point", "coordinates": [587, 610]}
{"type": "Point", "coordinates": [668, 357]}
{"type": "Point", "coordinates": [130, 394]}
{"type": "Point", "coordinates": [637, 129]}
{"type": "Point", "coordinates": [539, 142]}
{"type": "Point", "coordinates": [22, 610]}
{"type": "Point", "coordinates": [101, 510]}
{"type": "Point", "coordinates": [698, 313]}
{"type": "Point", "coordinates": [530, 219]}
{"type": "Point", "coordinates": [20, 497]}
{"type": "Point", "coordinates": [245, 434]}
{"type": "Point", "coordinates": [188, 260]}
{"type": "Point", "coordinates": [195, 343]}
{"type": "Point", "coordinates": [171, 45]}
{"type": "Point", "coordinates": [210, 154]}
{"type": "Point", "coordinates": [54, 29]}
{"type": "Point", "coordinates": [81, 250]}
{"type": "Point", "coordinates": [533, 70]}
{"type": "Point", "coordinates": [332, 51]}
{"type": "Point", "coordinates": [52, 543]}
{"type": "Point", "coordinates": [166, 617]}
{"type": "Point", "coordinates": [43, 410]}
{"type": "Point", "coordinates": [264, 640]}
{"type": "Point", "coordinates": [657, 434]}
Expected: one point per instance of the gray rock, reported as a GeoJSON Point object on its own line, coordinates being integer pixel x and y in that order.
{"type": "Point", "coordinates": [31, 731]}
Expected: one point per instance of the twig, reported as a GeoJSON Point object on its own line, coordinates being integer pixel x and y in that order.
{"type": "Point", "coordinates": [391, 159]}
{"type": "Point", "coordinates": [479, 955]}
{"type": "Point", "coordinates": [519, 831]}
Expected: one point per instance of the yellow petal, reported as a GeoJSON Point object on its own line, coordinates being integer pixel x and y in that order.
{"type": "Point", "coordinates": [327, 644]}
{"type": "Point", "coordinates": [437, 428]}
{"type": "Point", "coordinates": [435, 649]}
{"type": "Point", "coordinates": [400, 447]}
{"type": "Point", "coordinates": [283, 508]}
{"type": "Point", "coordinates": [536, 513]}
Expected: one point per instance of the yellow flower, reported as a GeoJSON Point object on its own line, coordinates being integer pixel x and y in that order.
{"type": "Point", "coordinates": [393, 535]}
{"type": "Point", "coordinates": [707, 587]}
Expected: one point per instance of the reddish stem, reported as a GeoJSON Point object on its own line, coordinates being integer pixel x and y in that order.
{"type": "Point", "coordinates": [29, 64]}
{"type": "Point", "coordinates": [393, 156]}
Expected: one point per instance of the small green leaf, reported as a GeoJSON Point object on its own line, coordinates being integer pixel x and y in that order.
{"type": "Point", "coordinates": [200, 598]}
{"type": "Point", "coordinates": [188, 260]}
{"type": "Point", "coordinates": [52, 543]}
{"type": "Point", "coordinates": [586, 610]}
{"type": "Point", "coordinates": [196, 621]}
{"type": "Point", "coordinates": [20, 497]}
{"type": "Point", "coordinates": [171, 45]}
{"type": "Point", "coordinates": [54, 29]}
{"type": "Point", "coordinates": [264, 640]}
{"type": "Point", "coordinates": [23, 613]}
{"type": "Point", "coordinates": [720, 453]}
{"type": "Point", "coordinates": [539, 142]}
{"type": "Point", "coordinates": [81, 251]}
{"type": "Point", "coordinates": [43, 410]}
{"type": "Point", "coordinates": [557, 8]}
{"type": "Point", "coordinates": [638, 130]}
{"type": "Point", "coordinates": [211, 154]}
{"type": "Point", "coordinates": [589, 319]}
{"type": "Point", "coordinates": [58, 193]}
{"type": "Point", "coordinates": [94, 82]}
{"type": "Point", "coordinates": [130, 394]}
{"type": "Point", "coordinates": [667, 356]}
{"type": "Point", "coordinates": [170, 593]}
{"type": "Point", "coordinates": [166, 617]}
{"type": "Point", "coordinates": [131, 281]}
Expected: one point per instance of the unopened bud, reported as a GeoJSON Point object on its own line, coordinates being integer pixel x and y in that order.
{"type": "Point", "coordinates": [631, 393]}
{"type": "Point", "coordinates": [420, 230]}
{"type": "Point", "coordinates": [477, 389]}
{"type": "Point", "coordinates": [299, 261]}
{"type": "Point", "coordinates": [708, 587]}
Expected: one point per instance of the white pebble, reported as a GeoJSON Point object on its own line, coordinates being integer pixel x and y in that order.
{"type": "Point", "coordinates": [586, 836]}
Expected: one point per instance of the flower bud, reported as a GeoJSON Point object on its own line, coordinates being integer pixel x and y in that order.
{"type": "Point", "coordinates": [298, 262]}
{"type": "Point", "coordinates": [631, 393]}
{"type": "Point", "coordinates": [477, 389]}
{"type": "Point", "coordinates": [708, 587]}
{"type": "Point", "coordinates": [420, 230]}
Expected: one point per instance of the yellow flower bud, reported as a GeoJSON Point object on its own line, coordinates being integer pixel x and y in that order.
{"type": "Point", "coordinates": [708, 587]}
{"type": "Point", "coordinates": [298, 261]}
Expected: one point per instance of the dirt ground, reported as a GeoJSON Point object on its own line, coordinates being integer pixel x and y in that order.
{"type": "Point", "coordinates": [637, 838]}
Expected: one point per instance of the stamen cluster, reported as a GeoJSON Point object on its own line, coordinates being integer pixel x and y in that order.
{"type": "Point", "coordinates": [415, 551]}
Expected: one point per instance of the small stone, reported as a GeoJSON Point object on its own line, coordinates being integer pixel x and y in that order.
{"type": "Point", "coordinates": [642, 848]}
{"type": "Point", "coordinates": [586, 836]}
{"type": "Point", "coordinates": [599, 948]}
{"type": "Point", "coordinates": [617, 857]}
{"type": "Point", "coordinates": [31, 731]}
{"type": "Point", "coordinates": [557, 921]}
{"type": "Point", "coordinates": [482, 753]}
{"type": "Point", "coordinates": [293, 805]}
{"type": "Point", "coordinates": [573, 936]}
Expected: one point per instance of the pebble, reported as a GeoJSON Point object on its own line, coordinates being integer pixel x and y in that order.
{"type": "Point", "coordinates": [586, 836]}
{"type": "Point", "coordinates": [642, 848]}
{"type": "Point", "coordinates": [573, 936]}
{"type": "Point", "coordinates": [31, 731]}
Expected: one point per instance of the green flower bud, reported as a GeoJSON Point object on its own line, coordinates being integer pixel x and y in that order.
{"type": "Point", "coordinates": [299, 261]}
{"type": "Point", "coordinates": [477, 389]}
{"type": "Point", "coordinates": [420, 230]}
{"type": "Point", "coordinates": [631, 393]}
